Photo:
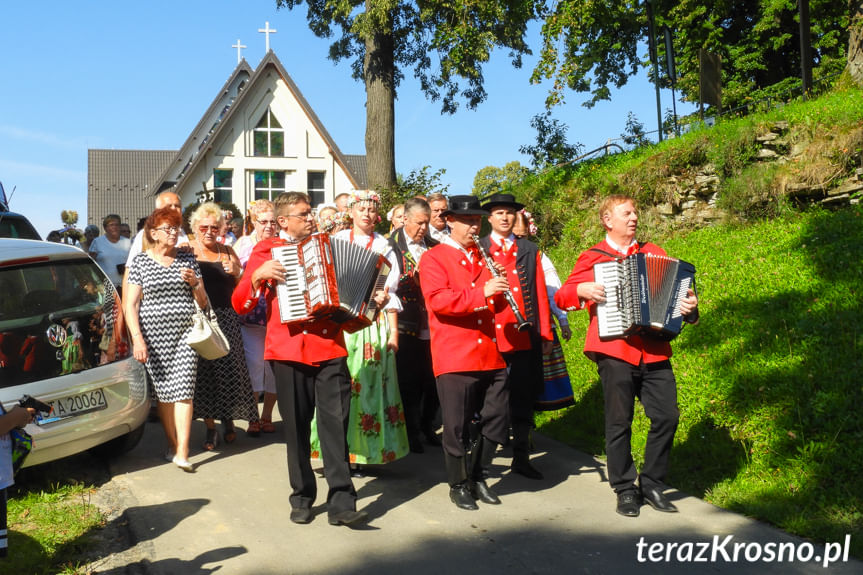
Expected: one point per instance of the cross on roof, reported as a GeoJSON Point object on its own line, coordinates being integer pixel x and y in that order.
{"type": "Point", "coordinates": [266, 30]}
{"type": "Point", "coordinates": [239, 47]}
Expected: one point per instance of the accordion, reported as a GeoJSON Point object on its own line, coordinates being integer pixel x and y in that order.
{"type": "Point", "coordinates": [643, 294]}
{"type": "Point", "coordinates": [332, 279]}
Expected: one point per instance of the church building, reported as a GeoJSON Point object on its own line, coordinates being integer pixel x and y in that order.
{"type": "Point", "coordinates": [258, 138]}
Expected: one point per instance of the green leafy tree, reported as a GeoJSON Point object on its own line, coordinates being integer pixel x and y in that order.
{"type": "Point", "coordinates": [855, 42]}
{"type": "Point", "coordinates": [634, 135]}
{"type": "Point", "coordinates": [551, 147]}
{"type": "Point", "coordinates": [492, 180]}
{"type": "Point", "coordinates": [591, 46]}
{"type": "Point", "coordinates": [445, 43]}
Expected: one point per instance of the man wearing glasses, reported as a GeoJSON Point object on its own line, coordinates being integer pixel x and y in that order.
{"type": "Point", "coordinates": [310, 367]}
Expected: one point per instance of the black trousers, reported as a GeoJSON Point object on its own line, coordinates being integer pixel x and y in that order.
{"type": "Point", "coordinates": [416, 383]}
{"type": "Point", "coordinates": [525, 382]}
{"type": "Point", "coordinates": [302, 388]}
{"type": "Point", "coordinates": [654, 384]}
{"type": "Point", "coordinates": [465, 394]}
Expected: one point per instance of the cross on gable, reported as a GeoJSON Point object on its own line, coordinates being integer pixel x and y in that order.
{"type": "Point", "coordinates": [239, 48]}
{"type": "Point", "coordinates": [266, 30]}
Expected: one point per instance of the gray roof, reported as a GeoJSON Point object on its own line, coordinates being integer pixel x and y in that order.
{"type": "Point", "coordinates": [358, 167]}
{"type": "Point", "coordinates": [118, 182]}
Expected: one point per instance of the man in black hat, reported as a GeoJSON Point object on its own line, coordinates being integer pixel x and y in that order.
{"type": "Point", "coordinates": [521, 348]}
{"type": "Point", "coordinates": [413, 358]}
{"type": "Point", "coordinates": [461, 295]}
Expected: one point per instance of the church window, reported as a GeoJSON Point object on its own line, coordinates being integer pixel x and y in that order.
{"type": "Point", "coordinates": [223, 185]}
{"type": "Point", "coordinates": [315, 186]}
{"type": "Point", "coordinates": [269, 136]}
{"type": "Point", "coordinates": [269, 184]}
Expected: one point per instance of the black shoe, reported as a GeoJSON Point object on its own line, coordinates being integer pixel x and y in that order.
{"type": "Point", "coordinates": [480, 490]}
{"type": "Point", "coordinates": [628, 503]}
{"type": "Point", "coordinates": [347, 517]}
{"type": "Point", "coordinates": [301, 515]}
{"type": "Point", "coordinates": [431, 437]}
{"type": "Point", "coordinates": [522, 466]}
{"type": "Point", "coordinates": [654, 497]}
{"type": "Point", "coordinates": [460, 495]}
{"type": "Point", "coordinates": [416, 445]}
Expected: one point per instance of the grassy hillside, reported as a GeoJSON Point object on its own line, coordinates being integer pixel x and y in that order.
{"type": "Point", "coordinates": [770, 380]}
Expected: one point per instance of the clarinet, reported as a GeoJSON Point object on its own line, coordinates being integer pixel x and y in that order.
{"type": "Point", "coordinates": [521, 323]}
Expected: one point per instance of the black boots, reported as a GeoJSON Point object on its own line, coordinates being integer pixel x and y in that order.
{"type": "Point", "coordinates": [481, 457]}
{"type": "Point", "coordinates": [521, 452]}
{"type": "Point", "coordinates": [459, 488]}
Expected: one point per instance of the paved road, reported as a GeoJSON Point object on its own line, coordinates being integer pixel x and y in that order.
{"type": "Point", "coordinates": [232, 516]}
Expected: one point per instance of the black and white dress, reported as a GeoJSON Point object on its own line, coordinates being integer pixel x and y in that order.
{"type": "Point", "coordinates": [167, 308]}
{"type": "Point", "coordinates": [223, 389]}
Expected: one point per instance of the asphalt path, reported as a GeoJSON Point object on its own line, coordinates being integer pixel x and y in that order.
{"type": "Point", "coordinates": [232, 516]}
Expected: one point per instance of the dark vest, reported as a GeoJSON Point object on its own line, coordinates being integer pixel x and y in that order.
{"type": "Point", "coordinates": [525, 265]}
{"type": "Point", "coordinates": [414, 317]}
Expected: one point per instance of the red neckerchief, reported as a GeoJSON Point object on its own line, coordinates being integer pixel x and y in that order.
{"type": "Point", "coordinates": [371, 239]}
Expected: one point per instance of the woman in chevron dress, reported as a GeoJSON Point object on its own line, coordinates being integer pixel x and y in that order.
{"type": "Point", "coordinates": [163, 285]}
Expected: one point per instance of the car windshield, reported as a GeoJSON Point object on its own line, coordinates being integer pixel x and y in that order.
{"type": "Point", "coordinates": [57, 318]}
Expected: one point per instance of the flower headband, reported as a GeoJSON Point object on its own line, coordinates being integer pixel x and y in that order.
{"type": "Point", "coordinates": [531, 224]}
{"type": "Point", "coordinates": [326, 224]}
{"type": "Point", "coordinates": [358, 196]}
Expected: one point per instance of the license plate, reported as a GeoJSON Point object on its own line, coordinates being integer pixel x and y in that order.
{"type": "Point", "coordinates": [74, 405]}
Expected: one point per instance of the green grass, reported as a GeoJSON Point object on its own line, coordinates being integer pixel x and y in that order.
{"type": "Point", "coordinates": [769, 381]}
{"type": "Point", "coordinates": [51, 517]}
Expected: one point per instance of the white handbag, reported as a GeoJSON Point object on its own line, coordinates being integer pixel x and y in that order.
{"type": "Point", "coordinates": [205, 335]}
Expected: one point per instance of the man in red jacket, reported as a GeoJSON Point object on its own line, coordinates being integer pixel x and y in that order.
{"type": "Point", "coordinates": [461, 295]}
{"type": "Point", "coordinates": [310, 369]}
{"type": "Point", "coordinates": [629, 367]}
{"type": "Point", "coordinates": [522, 349]}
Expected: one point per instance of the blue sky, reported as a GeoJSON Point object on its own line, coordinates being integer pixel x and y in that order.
{"type": "Point", "coordinates": [126, 75]}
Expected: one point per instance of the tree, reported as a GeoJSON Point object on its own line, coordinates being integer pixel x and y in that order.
{"type": "Point", "coordinates": [492, 180]}
{"type": "Point", "coordinates": [592, 45]}
{"type": "Point", "coordinates": [855, 42]}
{"type": "Point", "coordinates": [445, 43]}
{"type": "Point", "coordinates": [551, 147]}
{"type": "Point", "coordinates": [634, 135]}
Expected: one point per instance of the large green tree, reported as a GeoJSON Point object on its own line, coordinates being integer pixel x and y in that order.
{"type": "Point", "coordinates": [593, 45]}
{"type": "Point", "coordinates": [444, 43]}
{"type": "Point", "coordinates": [855, 42]}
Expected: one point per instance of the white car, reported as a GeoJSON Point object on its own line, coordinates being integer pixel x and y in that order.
{"type": "Point", "coordinates": [63, 341]}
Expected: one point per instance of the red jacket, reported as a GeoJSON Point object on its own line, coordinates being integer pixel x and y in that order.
{"type": "Point", "coordinates": [631, 349]}
{"type": "Point", "coordinates": [460, 320]}
{"type": "Point", "coordinates": [538, 312]}
{"type": "Point", "coordinates": [310, 342]}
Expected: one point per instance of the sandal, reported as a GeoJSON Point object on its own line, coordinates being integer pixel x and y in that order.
{"type": "Point", "coordinates": [254, 428]}
{"type": "Point", "coordinates": [230, 431]}
{"type": "Point", "coordinates": [212, 440]}
{"type": "Point", "coordinates": [267, 426]}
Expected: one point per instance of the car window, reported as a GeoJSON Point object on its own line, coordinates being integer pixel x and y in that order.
{"type": "Point", "coordinates": [57, 318]}
{"type": "Point", "coordinates": [17, 227]}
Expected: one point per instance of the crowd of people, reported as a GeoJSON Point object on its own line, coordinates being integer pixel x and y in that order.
{"type": "Point", "coordinates": [464, 349]}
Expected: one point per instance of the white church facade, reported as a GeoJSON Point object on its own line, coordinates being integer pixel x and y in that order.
{"type": "Point", "coordinates": [258, 138]}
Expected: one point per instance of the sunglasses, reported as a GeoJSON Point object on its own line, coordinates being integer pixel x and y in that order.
{"type": "Point", "coordinates": [266, 222]}
{"type": "Point", "coordinates": [205, 229]}
{"type": "Point", "coordinates": [168, 229]}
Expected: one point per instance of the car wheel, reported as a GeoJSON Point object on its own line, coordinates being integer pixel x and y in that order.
{"type": "Point", "coordinates": [119, 445]}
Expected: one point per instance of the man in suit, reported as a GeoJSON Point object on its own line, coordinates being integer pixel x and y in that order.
{"type": "Point", "coordinates": [310, 368]}
{"type": "Point", "coordinates": [629, 367]}
{"type": "Point", "coordinates": [461, 295]}
{"type": "Point", "coordinates": [438, 203]}
{"type": "Point", "coordinates": [522, 349]}
{"type": "Point", "coordinates": [413, 359]}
